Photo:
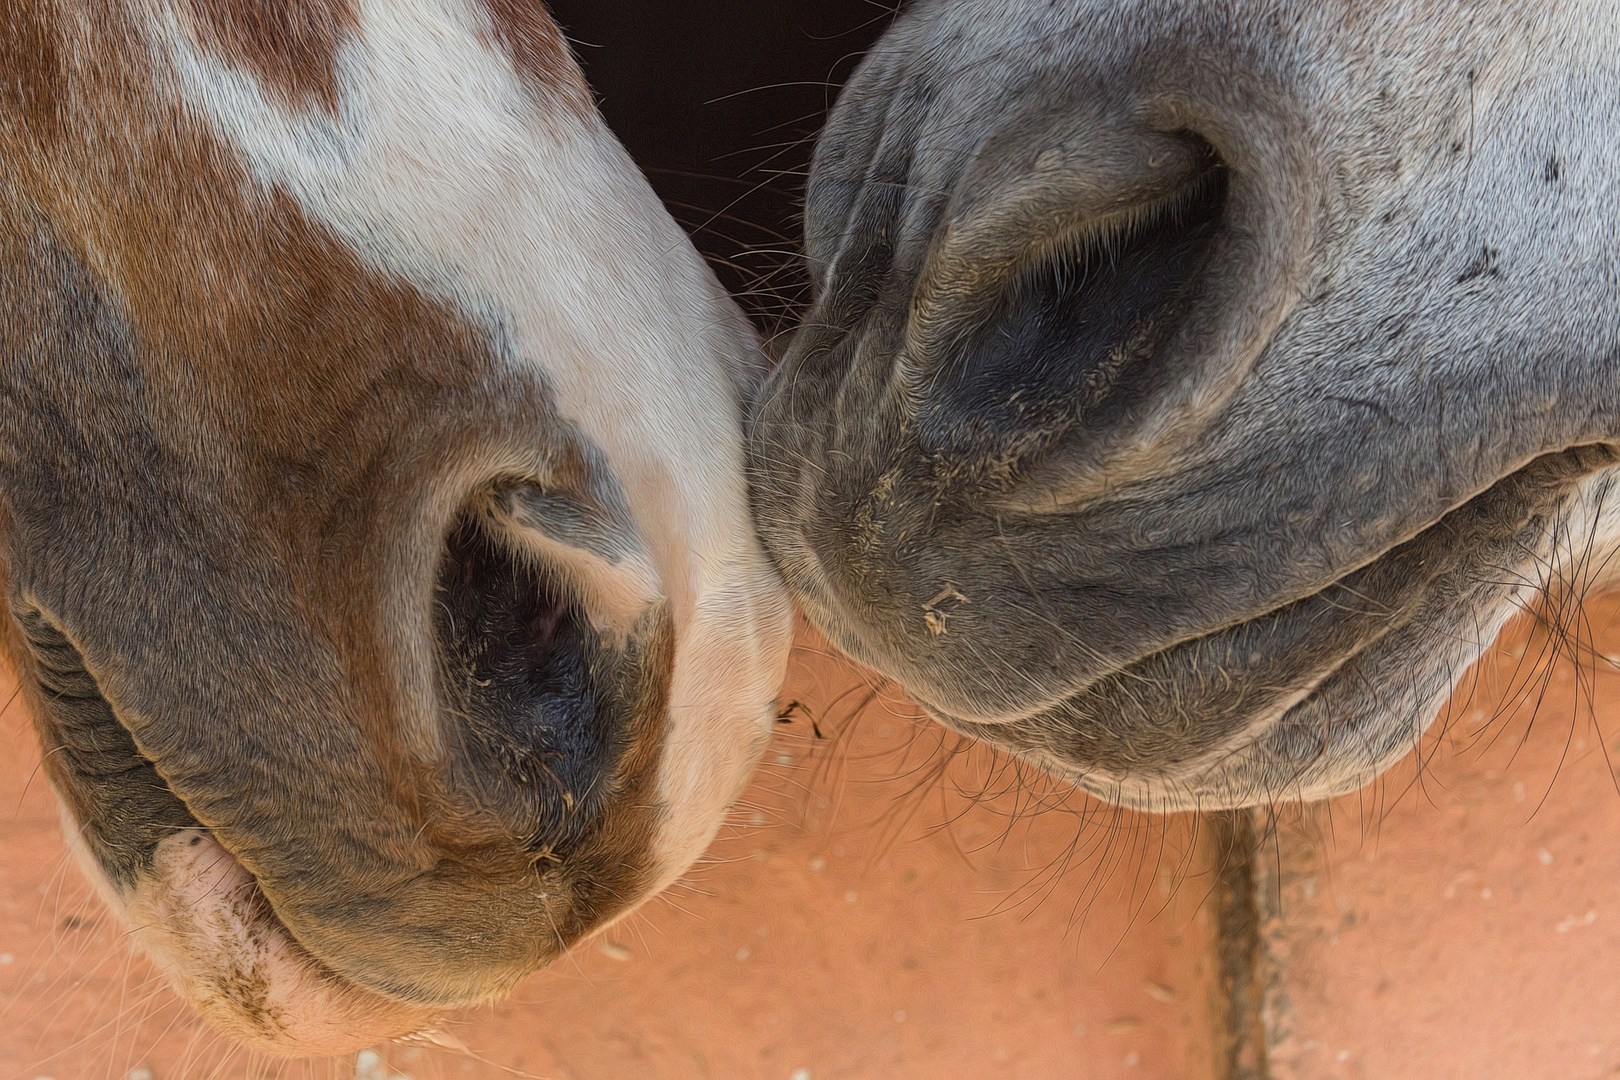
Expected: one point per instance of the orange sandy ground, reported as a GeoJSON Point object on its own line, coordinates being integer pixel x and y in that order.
{"type": "Point", "coordinates": [1464, 921]}
{"type": "Point", "coordinates": [882, 907]}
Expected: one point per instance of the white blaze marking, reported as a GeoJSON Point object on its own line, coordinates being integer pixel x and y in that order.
{"type": "Point", "coordinates": [442, 167]}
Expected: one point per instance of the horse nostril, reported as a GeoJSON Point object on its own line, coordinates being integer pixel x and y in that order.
{"type": "Point", "coordinates": [1052, 294]}
{"type": "Point", "coordinates": [495, 609]}
{"type": "Point", "coordinates": [1042, 337]}
{"type": "Point", "coordinates": [516, 654]}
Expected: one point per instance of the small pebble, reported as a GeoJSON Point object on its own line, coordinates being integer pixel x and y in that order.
{"type": "Point", "coordinates": [1159, 992]}
{"type": "Point", "coordinates": [1544, 855]}
{"type": "Point", "coordinates": [800, 1074]}
{"type": "Point", "coordinates": [1566, 925]}
{"type": "Point", "coordinates": [7, 958]}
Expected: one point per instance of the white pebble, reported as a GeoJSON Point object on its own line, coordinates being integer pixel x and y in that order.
{"type": "Point", "coordinates": [7, 958]}
{"type": "Point", "coordinates": [1545, 856]}
{"type": "Point", "coordinates": [1566, 925]}
{"type": "Point", "coordinates": [141, 1072]}
{"type": "Point", "coordinates": [800, 1074]}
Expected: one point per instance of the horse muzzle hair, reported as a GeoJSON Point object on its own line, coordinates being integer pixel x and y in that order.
{"type": "Point", "coordinates": [376, 549]}
{"type": "Point", "coordinates": [1192, 391]}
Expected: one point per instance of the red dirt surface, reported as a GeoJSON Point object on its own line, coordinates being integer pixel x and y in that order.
{"type": "Point", "coordinates": [1464, 921]}
{"type": "Point", "coordinates": [879, 907]}
{"type": "Point", "coordinates": [883, 907]}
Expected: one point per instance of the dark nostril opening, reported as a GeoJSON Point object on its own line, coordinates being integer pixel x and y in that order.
{"type": "Point", "coordinates": [1073, 331]}
{"type": "Point", "coordinates": [517, 662]}
{"type": "Point", "coordinates": [503, 614]}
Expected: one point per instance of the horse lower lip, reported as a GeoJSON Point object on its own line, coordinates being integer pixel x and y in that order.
{"type": "Point", "coordinates": [1276, 665]}
{"type": "Point", "coordinates": [201, 916]}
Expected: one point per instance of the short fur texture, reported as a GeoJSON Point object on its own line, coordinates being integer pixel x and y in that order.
{"type": "Point", "coordinates": [372, 498]}
{"type": "Point", "coordinates": [1192, 390]}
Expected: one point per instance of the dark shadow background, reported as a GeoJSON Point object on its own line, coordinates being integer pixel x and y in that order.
{"type": "Point", "coordinates": [719, 102]}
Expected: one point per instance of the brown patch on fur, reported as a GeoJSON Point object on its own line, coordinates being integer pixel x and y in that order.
{"type": "Point", "coordinates": [291, 45]}
{"type": "Point", "coordinates": [30, 70]}
{"type": "Point", "coordinates": [529, 35]}
{"type": "Point", "coordinates": [300, 407]}
{"type": "Point", "coordinates": [263, 338]}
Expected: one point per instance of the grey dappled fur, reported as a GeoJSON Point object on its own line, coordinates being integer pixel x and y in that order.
{"type": "Point", "coordinates": [1299, 484]}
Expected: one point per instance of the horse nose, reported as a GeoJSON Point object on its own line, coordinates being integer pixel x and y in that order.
{"type": "Point", "coordinates": [908, 453]}
{"type": "Point", "coordinates": [1062, 272]}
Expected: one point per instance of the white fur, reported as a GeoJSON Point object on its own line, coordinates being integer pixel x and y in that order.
{"type": "Point", "coordinates": [443, 167]}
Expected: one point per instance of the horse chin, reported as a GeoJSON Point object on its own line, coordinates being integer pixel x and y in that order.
{"type": "Point", "coordinates": [203, 921]}
{"type": "Point", "coordinates": [1317, 747]}
{"type": "Point", "coordinates": [1319, 698]}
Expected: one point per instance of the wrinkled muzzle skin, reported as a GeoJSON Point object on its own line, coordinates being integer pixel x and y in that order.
{"type": "Point", "coordinates": [377, 561]}
{"type": "Point", "coordinates": [1192, 390]}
